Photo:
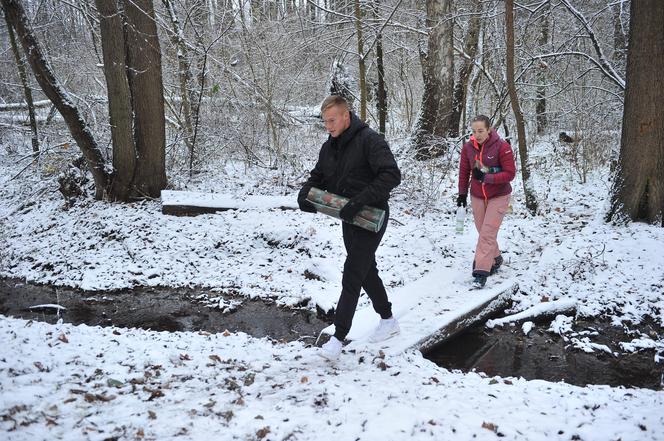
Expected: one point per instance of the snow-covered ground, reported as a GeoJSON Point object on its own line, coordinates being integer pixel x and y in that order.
{"type": "Point", "coordinates": [57, 381]}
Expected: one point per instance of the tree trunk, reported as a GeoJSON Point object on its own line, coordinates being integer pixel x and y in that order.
{"type": "Point", "coordinates": [56, 93]}
{"type": "Point", "coordinates": [381, 93]}
{"type": "Point", "coordinates": [184, 76]}
{"type": "Point", "coordinates": [145, 82]}
{"type": "Point", "coordinates": [27, 92]}
{"type": "Point", "coordinates": [529, 192]}
{"type": "Point", "coordinates": [619, 38]}
{"type": "Point", "coordinates": [119, 99]}
{"type": "Point", "coordinates": [435, 119]}
{"type": "Point", "coordinates": [540, 100]}
{"type": "Point", "coordinates": [361, 64]}
{"type": "Point", "coordinates": [472, 39]}
{"type": "Point", "coordinates": [638, 190]}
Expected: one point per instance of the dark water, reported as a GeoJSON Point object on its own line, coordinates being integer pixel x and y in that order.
{"type": "Point", "coordinates": [546, 356]}
{"type": "Point", "coordinates": [160, 309]}
{"type": "Point", "coordinates": [501, 351]}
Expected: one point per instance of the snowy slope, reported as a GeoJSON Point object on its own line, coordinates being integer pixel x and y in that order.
{"type": "Point", "coordinates": [74, 383]}
{"type": "Point", "coordinates": [566, 253]}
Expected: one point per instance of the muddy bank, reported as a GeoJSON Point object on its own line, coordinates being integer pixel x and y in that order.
{"type": "Point", "coordinates": [159, 309]}
{"type": "Point", "coordinates": [547, 356]}
{"type": "Point", "coordinates": [502, 351]}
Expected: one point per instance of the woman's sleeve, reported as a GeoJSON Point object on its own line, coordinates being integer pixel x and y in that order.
{"type": "Point", "coordinates": [507, 167]}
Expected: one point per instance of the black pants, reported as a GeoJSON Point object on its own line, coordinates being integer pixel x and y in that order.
{"type": "Point", "coordinates": [360, 271]}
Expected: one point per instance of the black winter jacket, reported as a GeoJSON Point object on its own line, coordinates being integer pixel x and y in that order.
{"type": "Point", "coordinates": [358, 164]}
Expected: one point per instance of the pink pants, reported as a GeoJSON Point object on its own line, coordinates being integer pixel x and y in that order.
{"type": "Point", "coordinates": [488, 216]}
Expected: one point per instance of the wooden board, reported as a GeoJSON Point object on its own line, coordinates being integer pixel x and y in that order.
{"type": "Point", "coordinates": [190, 203]}
{"type": "Point", "coordinates": [432, 310]}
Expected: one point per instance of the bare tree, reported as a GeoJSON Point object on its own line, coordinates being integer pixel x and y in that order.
{"type": "Point", "coordinates": [435, 120]}
{"type": "Point", "coordinates": [529, 191]}
{"type": "Point", "coordinates": [361, 62]}
{"type": "Point", "coordinates": [185, 78]}
{"type": "Point", "coordinates": [119, 98]}
{"type": "Point", "coordinates": [132, 66]}
{"type": "Point", "coordinates": [638, 190]}
{"type": "Point", "coordinates": [540, 102]}
{"type": "Point", "coordinates": [27, 92]}
{"type": "Point", "coordinates": [47, 80]}
{"type": "Point", "coordinates": [471, 44]}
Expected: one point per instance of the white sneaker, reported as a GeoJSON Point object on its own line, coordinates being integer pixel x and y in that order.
{"type": "Point", "coordinates": [331, 350]}
{"type": "Point", "coordinates": [386, 328]}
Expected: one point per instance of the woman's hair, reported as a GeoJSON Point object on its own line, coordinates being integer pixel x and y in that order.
{"type": "Point", "coordinates": [334, 100]}
{"type": "Point", "coordinates": [485, 119]}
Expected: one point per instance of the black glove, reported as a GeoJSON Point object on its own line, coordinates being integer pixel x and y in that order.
{"type": "Point", "coordinates": [478, 174]}
{"type": "Point", "coordinates": [349, 211]}
{"type": "Point", "coordinates": [462, 200]}
{"type": "Point", "coordinates": [305, 205]}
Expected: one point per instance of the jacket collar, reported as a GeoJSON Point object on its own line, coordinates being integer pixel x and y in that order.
{"type": "Point", "coordinates": [493, 136]}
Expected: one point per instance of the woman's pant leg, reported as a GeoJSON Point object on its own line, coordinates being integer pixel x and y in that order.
{"type": "Point", "coordinates": [488, 218]}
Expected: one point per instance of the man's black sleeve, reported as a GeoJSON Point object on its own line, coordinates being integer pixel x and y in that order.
{"type": "Point", "coordinates": [384, 166]}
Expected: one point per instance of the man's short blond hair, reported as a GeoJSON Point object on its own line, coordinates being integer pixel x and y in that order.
{"type": "Point", "coordinates": [334, 100]}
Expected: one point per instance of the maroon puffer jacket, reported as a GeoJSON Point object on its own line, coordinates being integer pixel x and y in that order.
{"type": "Point", "coordinates": [494, 153]}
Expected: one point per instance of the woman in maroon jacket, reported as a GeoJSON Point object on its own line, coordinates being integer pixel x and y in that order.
{"type": "Point", "coordinates": [487, 164]}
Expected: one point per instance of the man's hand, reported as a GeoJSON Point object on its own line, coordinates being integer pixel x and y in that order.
{"type": "Point", "coordinates": [349, 211]}
{"type": "Point", "coordinates": [306, 206]}
{"type": "Point", "coordinates": [462, 200]}
{"type": "Point", "coordinates": [478, 174]}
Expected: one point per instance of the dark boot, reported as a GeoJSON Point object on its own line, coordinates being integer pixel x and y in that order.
{"type": "Point", "coordinates": [497, 263]}
{"type": "Point", "coordinates": [479, 281]}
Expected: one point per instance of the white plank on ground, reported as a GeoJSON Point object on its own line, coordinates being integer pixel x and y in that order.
{"type": "Point", "coordinates": [174, 201]}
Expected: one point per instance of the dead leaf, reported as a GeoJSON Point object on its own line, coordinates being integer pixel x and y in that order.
{"type": "Point", "coordinates": [215, 358]}
{"type": "Point", "coordinates": [152, 415]}
{"type": "Point", "coordinates": [155, 394]}
{"type": "Point", "coordinates": [508, 382]}
{"type": "Point", "coordinates": [304, 379]}
{"type": "Point", "coordinates": [210, 404]}
{"type": "Point", "coordinates": [226, 333]}
{"type": "Point", "coordinates": [544, 299]}
{"type": "Point", "coordinates": [140, 434]}
{"type": "Point", "coordinates": [91, 398]}
{"type": "Point", "coordinates": [262, 433]}
{"type": "Point", "coordinates": [490, 426]}
{"type": "Point", "coordinates": [63, 338]}
{"type": "Point", "coordinates": [185, 357]}
{"type": "Point", "coordinates": [40, 366]}
{"type": "Point", "coordinates": [435, 380]}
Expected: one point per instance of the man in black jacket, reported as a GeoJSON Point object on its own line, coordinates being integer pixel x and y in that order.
{"type": "Point", "coordinates": [357, 163]}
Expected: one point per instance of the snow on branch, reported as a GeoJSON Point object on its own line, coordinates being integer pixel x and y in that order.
{"type": "Point", "coordinates": [605, 66]}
